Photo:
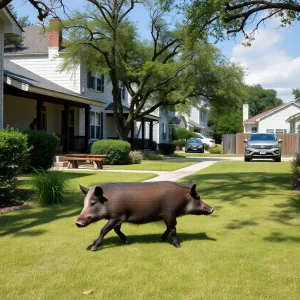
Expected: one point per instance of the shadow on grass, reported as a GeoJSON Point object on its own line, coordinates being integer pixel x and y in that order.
{"type": "Point", "coordinates": [115, 241]}
{"type": "Point", "coordinates": [277, 237]}
{"type": "Point", "coordinates": [23, 222]}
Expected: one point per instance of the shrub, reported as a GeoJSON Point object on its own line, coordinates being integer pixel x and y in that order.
{"type": "Point", "coordinates": [43, 148]}
{"type": "Point", "coordinates": [117, 150]}
{"type": "Point", "coordinates": [167, 148]}
{"type": "Point", "coordinates": [50, 187]}
{"type": "Point", "coordinates": [182, 134]}
{"type": "Point", "coordinates": [152, 156]}
{"type": "Point", "coordinates": [135, 157]}
{"type": "Point", "coordinates": [154, 145]}
{"type": "Point", "coordinates": [206, 147]}
{"type": "Point", "coordinates": [13, 157]}
{"type": "Point", "coordinates": [216, 150]}
{"type": "Point", "coordinates": [295, 164]}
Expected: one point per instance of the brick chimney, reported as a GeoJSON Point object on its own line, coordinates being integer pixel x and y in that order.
{"type": "Point", "coordinates": [54, 34]}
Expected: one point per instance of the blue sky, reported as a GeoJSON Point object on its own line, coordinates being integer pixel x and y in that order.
{"type": "Point", "coordinates": [273, 60]}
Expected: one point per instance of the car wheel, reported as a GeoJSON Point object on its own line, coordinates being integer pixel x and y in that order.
{"type": "Point", "coordinates": [246, 158]}
{"type": "Point", "coordinates": [278, 159]}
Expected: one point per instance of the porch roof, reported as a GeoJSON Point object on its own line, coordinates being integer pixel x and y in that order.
{"type": "Point", "coordinates": [27, 81]}
{"type": "Point", "coordinates": [110, 110]}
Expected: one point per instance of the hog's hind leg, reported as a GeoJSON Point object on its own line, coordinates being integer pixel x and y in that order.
{"type": "Point", "coordinates": [122, 236]}
{"type": "Point", "coordinates": [112, 223]}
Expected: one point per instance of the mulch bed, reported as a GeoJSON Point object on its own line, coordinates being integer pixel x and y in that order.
{"type": "Point", "coordinates": [7, 209]}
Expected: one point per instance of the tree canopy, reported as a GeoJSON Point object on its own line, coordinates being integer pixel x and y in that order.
{"type": "Point", "coordinates": [296, 93]}
{"type": "Point", "coordinates": [165, 71]}
{"type": "Point", "coordinates": [260, 99]}
{"type": "Point", "coordinates": [235, 16]}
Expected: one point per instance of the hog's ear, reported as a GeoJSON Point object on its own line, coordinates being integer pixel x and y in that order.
{"type": "Point", "coordinates": [193, 190]}
{"type": "Point", "coordinates": [98, 191]}
{"type": "Point", "coordinates": [191, 183]}
{"type": "Point", "coordinates": [84, 189]}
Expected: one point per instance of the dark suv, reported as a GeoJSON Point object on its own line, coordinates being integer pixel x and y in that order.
{"type": "Point", "coordinates": [262, 145]}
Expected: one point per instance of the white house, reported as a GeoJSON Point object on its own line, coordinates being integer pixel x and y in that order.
{"type": "Point", "coordinates": [271, 121]}
{"type": "Point", "coordinates": [294, 122]}
{"type": "Point", "coordinates": [92, 119]}
{"type": "Point", "coordinates": [8, 27]}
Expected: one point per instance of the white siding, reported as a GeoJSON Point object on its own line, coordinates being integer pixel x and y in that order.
{"type": "Point", "coordinates": [278, 119]}
{"type": "Point", "coordinates": [1, 74]}
{"type": "Point", "coordinates": [49, 69]}
{"type": "Point", "coordinates": [194, 115]}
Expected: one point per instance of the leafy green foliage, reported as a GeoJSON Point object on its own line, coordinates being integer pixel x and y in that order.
{"type": "Point", "coordinates": [50, 187]}
{"type": "Point", "coordinates": [181, 135]}
{"type": "Point", "coordinates": [13, 157]}
{"type": "Point", "coordinates": [295, 164]}
{"type": "Point", "coordinates": [152, 156]}
{"type": "Point", "coordinates": [166, 71]}
{"type": "Point", "coordinates": [215, 150]}
{"type": "Point", "coordinates": [206, 146]}
{"type": "Point", "coordinates": [296, 93]}
{"type": "Point", "coordinates": [135, 157]}
{"type": "Point", "coordinates": [118, 151]}
{"type": "Point", "coordinates": [43, 148]}
{"type": "Point", "coordinates": [260, 99]}
{"type": "Point", "coordinates": [167, 148]}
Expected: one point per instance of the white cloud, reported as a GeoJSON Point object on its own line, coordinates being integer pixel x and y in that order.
{"type": "Point", "coordinates": [268, 63]}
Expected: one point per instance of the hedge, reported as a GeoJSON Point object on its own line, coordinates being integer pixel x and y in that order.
{"type": "Point", "coordinates": [117, 150]}
{"type": "Point", "coordinates": [167, 148]}
{"type": "Point", "coordinates": [43, 146]}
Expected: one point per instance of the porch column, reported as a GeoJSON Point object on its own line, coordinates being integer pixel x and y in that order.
{"type": "Point", "coordinates": [66, 127]}
{"type": "Point", "coordinates": [132, 136]}
{"type": "Point", "coordinates": [87, 126]}
{"type": "Point", "coordinates": [143, 133]}
{"type": "Point", "coordinates": [39, 113]}
{"type": "Point", "coordinates": [151, 134]}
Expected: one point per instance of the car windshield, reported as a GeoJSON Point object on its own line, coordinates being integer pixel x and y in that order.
{"type": "Point", "coordinates": [262, 137]}
{"type": "Point", "coordinates": [194, 141]}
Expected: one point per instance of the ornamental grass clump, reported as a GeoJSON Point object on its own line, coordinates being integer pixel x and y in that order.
{"type": "Point", "coordinates": [50, 187]}
{"type": "Point", "coordinates": [295, 164]}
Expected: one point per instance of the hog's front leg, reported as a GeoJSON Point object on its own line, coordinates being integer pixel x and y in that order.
{"type": "Point", "coordinates": [111, 224]}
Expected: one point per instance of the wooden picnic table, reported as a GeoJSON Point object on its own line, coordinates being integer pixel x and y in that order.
{"type": "Point", "coordinates": [96, 159]}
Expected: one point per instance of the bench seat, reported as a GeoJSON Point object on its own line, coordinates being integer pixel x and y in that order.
{"type": "Point", "coordinates": [96, 159]}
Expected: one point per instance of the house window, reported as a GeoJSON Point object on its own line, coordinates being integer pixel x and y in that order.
{"type": "Point", "coordinates": [281, 130]}
{"type": "Point", "coordinates": [170, 133]}
{"type": "Point", "coordinates": [203, 118]}
{"type": "Point", "coordinates": [95, 123]}
{"type": "Point", "coordinates": [95, 82]}
{"type": "Point", "coordinates": [253, 129]}
{"type": "Point", "coordinates": [122, 92]}
{"type": "Point", "coordinates": [270, 131]}
{"type": "Point", "coordinates": [164, 133]}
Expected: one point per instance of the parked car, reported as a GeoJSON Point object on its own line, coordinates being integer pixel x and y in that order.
{"type": "Point", "coordinates": [206, 139]}
{"type": "Point", "coordinates": [262, 145]}
{"type": "Point", "coordinates": [194, 145]}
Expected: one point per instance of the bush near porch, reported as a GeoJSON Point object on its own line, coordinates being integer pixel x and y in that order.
{"type": "Point", "coordinates": [117, 150]}
{"type": "Point", "coordinates": [13, 159]}
{"type": "Point", "coordinates": [43, 149]}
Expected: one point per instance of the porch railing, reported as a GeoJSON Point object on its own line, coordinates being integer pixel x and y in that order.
{"type": "Point", "coordinates": [76, 143]}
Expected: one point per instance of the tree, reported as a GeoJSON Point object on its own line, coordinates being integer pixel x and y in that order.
{"type": "Point", "coordinates": [260, 99]}
{"type": "Point", "coordinates": [166, 71]}
{"type": "Point", "coordinates": [23, 22]}
{"type": "Point", "coordinates": [236, 15]}
{"type": "Point", "coordinates": [296, 93]}
{"type": "Point", "coordinates": [182, 134]}
{"type": "Point", "coordinates": [44, 8]}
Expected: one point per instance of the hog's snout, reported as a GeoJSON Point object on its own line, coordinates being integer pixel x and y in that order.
{"type": "Point", "coordinates": [82, 222]}
{"type": "Point", "coordinates": [212, 210]}
{"type": "Point", "coordinates": [79, 224]}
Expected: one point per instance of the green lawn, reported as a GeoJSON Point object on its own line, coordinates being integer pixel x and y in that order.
{"type": "Point", "coordinates": [153, 165]}
{"type": "Point", "coordinates": [248, 249]}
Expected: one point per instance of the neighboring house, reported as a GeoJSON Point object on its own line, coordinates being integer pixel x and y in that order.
{"type": "Point", "coordinates": [271, 121]}
{"type": "Point", "coordinates": [8, 27]}
{"type": "Point", "coordinates": [294, 122]}
{"type": "Point", "coordinates": [196, 121]}
{"type": "Point", "coordinates": [42, 54]}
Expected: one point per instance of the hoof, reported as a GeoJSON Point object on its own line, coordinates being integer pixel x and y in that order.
{"type": "Point", "coordinates": [94, 248]}
{"type": "Point", "coordinates": [126, 242]}
{"type": "Point", "coordinates": [177, 245]}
